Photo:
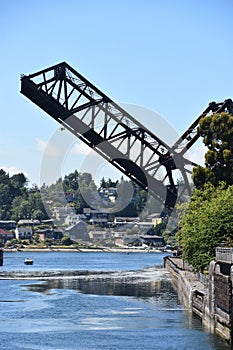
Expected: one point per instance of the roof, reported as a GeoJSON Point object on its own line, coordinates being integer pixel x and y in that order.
{"type": "Point", "coordinates": [80, 222]}
{"type": "Point", "coordinates": [7, 222]}
{"type": "Point", "coordinates": [24, 229]}
{"type": "Point", "coordinates": [28, 222]}
{"type": "Point", "coordinates": [4, 232]}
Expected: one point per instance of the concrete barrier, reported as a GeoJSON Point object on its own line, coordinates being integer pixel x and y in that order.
{"type": "Point", "coordinates": [209, 299]}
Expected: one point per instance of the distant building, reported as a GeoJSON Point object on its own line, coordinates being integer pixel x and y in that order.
{"type": "Point", "coordinates": [144, 225]}
{"type": "Point", "coordinates": [60, 213]}
{"type": "Point", "coordinates": [129, 221]}
{"type": "Point", "coordinates": [5, 236]}
{"type": "Point", "coordinates": [78, 231]}
{"type": "Point", "coordinates": [154, 241]}
{"type": "Point", "coordinates": [23, 232]}
{"type": "Point", "coordinates": [157, 221]}
{"type": "Point", "coordinates": [8, 224]}
{"type": "Point", "coordinates": [131, 241]}
{"type": "Point", "coordinates": [98, 235]}
{"type": "Point", "coordinates": [49, 233]}
{"type": "Point", "coordinates": [72, 219]}
{"type": "Point", "coordinates": [28, 222]}
{"type": "Point", "coordinates": [95, 216]}
{"type": "Point", "coordinates": [109, 193]}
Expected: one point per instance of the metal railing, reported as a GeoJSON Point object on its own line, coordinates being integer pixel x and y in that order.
{"type": "Point", "coordinates": [204, 279]}
{"type": "Point", "coordinates": [224, 254]}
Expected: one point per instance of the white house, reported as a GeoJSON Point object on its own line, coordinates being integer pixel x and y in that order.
{"type": "Point", "coordinates": [23, 232]}
{"type": "Point", "coordinates": [72, 219]}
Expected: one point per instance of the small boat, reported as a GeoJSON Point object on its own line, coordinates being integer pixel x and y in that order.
{"type": "Point", "coordinates": [28, 261]}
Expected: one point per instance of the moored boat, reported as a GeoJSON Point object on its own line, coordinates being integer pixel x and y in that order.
{"type": "Point", "coordinates": [28, 261]}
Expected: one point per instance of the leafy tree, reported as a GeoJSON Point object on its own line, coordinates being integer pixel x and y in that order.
{"type": "Point", "coordinates": [206, 223]}
{"type": "Point", "coordinates": [66, 240]}
{"type": "Point", "coordinates": [217, 133]}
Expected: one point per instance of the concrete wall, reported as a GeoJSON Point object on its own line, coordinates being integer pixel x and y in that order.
{"type": "Point", "coordinates": [211, 302]}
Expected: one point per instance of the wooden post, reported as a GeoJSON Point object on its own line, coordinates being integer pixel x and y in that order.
{"type": "Point", "coordinates": [1, 257]}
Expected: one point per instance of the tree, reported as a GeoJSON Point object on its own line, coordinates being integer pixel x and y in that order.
{"type": "Point", "coordinates": [66, 240]}
{"type": "Point", "coordinates": [102, 183]}
{"type": "Point", "coordinates": [70, 182]}
{"type": "Point", "coordinates": [206, 223]}
{"type": "Point", "coordinates": [18, 180]}
{"type": "Point", "coordinates": [217, 133]}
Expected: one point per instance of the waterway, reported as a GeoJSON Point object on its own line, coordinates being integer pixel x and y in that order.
{"type": "Point", "coordinates": [115, 301]}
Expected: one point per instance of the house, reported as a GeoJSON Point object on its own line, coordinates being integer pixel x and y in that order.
{"type": "Point", "coordinates": [131, 241]}
{"type": "Point", "coordinates": [129, 221]}
{"type": "Point", "coordinates": [78, 231]}
{"type": "Point", "coordinates": [98, 235]}
{"type": "Point", "coordinates": [152, 240]}
{"type": "Point", "coordinates": [28, 222]}
{"type": "Point", "coordinates": [144, 225]}
{"type": "Point", "coordinates": [8, 224]}
{"type": "Point", "coordinates": [60, 213]}
{"type": "Point", "coordinates": [95, 216]}
{"type": "Point", "coordinates": [109, 193]}
{"type": "Point", "coordinates": [72, 219]}
{"type": "Point", "coordinates": [49, 233]}
{"type": "Point", "coordinates": [5, 236]}
{"type": "Point", "coordinates": [157, 221]}
{"type": "Point", "coordinates": [23, 232]}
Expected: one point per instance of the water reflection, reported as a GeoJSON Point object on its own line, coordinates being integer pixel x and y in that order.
{"type": "Point", "coordinates": [133, 284]}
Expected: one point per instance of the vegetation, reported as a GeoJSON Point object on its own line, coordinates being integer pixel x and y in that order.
{"type": "Point", "coordinates": [217, 133]}
{"type": "Point", "coordinates": [17, 201]}
{"type": "Point", "coordinates": [207, 220]}
{"type": "Point", "coordinates": [78, 190]}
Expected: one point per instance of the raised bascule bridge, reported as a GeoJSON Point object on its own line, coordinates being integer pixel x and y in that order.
{"type": "Point", "coordinates": [115, 134]}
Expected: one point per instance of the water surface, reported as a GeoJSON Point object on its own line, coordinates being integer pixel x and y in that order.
{"type": "Point", "coordinates": [124, 302]}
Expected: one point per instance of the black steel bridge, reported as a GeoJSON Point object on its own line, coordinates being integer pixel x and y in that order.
{"type": "Point", "coordinates": [112, 132]}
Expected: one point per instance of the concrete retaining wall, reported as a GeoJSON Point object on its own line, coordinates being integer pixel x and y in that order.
{"type": "Point", "coordinates": [212, 302]}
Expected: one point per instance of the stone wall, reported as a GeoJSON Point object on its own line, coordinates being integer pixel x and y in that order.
{"type": "Point", "coordinates": [212, 302]}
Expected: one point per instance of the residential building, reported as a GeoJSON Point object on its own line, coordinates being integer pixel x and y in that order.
{"type": "Point", "coordinates": [144, 225]}
{"type": "Point", "coordinates": [78, 231]}
{"type": "Point", "coordinates": [60, 213]}
{"type": "Point", "coordinates": [8, 224]}
{"type": "Point", "coordinates": [152, 240]}
{"type": "Point", "coordinates": [72, 219]}
{"type": "Point", "coordinates": [98, 235]}
{"type": "Point", "coordinates": [49, 233]}
{"type": "Point", "coordinates": [5, 236]}
{"type": "Point", "coordinates": [131, 241]}
{"type": "Point", "coordinates": [129, 221]}
{"type": "Point", "coordinates": [157, 221]}
{"type": "Point", "coordinates": [95, 216]}
{"type": "Point", "coordinates": [28, 222]}
{"type": "Point", "coordinates": [108, 193]}
{"type": "Point", "coordinates": [23, 232]}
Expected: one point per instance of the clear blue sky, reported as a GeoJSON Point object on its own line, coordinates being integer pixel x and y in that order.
{"type": "Point", "coordinates": [171, 56]}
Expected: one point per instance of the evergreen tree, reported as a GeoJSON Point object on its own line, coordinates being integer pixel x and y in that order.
{"type": "Point", "coordinates": [217, 133]}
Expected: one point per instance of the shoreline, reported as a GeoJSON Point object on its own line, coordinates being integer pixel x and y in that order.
{"type": "Point", "coordinates": [86, 250]}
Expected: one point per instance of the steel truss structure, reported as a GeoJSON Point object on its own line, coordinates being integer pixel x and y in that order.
{"type": "Point", "coordinates": [111, 131]}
